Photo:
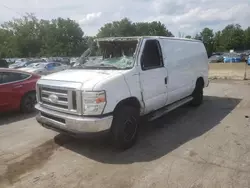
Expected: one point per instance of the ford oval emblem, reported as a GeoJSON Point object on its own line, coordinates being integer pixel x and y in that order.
{"type": "Point", "coordinates": [53, 98]}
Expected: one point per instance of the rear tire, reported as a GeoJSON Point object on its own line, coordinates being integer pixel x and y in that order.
{"type": "Point", "coordinates": [197, 95]}
{"type": "Point", "coordinates": [125, 127]}
{"type": "Point", "coordinates": [28, 102]}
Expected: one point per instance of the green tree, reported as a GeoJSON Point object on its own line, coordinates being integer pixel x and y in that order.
{"type": "Point", "coordinates": [117, 29]}
{"type": "Point", "coordinates": [207, 37]}
{"type": "Point", "coordinates": [125, 27]}
{"type": "Point", "coordinates": [152, 29]}
{"type": "Point", "coordinates": [7, 43]}
{"type": "Point", "coordinates": [233, 37]}
{"type": "Point", "coordinates": [218, 43]}
{"type": "Point", "coordinates": [247, 38]}
{"type": "Point", "coordinates": [61, 37]}
{"type": "Point", "coordinates": [26, 34]}
{"type": "Point", "coordinates": [30, 37]}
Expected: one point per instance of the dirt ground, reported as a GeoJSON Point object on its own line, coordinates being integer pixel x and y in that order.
{"type": "Point", "coordinates": [200, 147]}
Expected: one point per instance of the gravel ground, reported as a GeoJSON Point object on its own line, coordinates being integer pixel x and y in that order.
{"type": "Point", "coordinates": [200, 147]}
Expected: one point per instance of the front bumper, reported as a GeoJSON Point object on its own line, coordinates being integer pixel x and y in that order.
{"type": "Point", "coordinates": [72, 124]}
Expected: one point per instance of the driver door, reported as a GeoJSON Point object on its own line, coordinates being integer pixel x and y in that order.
{"type": "Point", "coordinates": [153, 76]}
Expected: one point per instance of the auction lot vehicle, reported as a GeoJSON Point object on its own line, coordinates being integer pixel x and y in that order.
{"type": "Point", "coordinates": [45, 68]}
{"type": "Point", "coordinates": [23, 63]}
{"type": "Point", "coordinates": [17, 90]}
{"type": "Point", "coordinates": [134, 77]}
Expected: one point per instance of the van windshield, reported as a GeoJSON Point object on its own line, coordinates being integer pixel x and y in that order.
{"type": "Point", "coordinates": [108, 55]}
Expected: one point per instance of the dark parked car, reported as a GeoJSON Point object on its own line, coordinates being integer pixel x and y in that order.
{"type": "Point", "coordinates": [216, 59]}
{"type": "Point", "coordinates": [3, 63]}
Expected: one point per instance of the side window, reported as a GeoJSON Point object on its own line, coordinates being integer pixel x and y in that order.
{"type": "Point", "coordinates": [4, 77]}
{"type": "Point", "coordinates": [1, 77]}
{"type": "Point", "coordinates": [23, 76]}
{"type": "Point", "coordinates": [7, 77]}
{"type": "Point", "coordinates": [151, 56]}
{"type": "Point", "coordinates": [50, 66]}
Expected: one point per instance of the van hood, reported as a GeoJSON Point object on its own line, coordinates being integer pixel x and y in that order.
{"type": "Point", "coordinates": [83, 76]}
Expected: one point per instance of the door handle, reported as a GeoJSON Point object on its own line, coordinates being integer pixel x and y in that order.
{"type": "Point", "coordinates": [166, 80]}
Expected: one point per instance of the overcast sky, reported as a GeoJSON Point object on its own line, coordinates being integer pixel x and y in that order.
{"type": "Point", "coordinates": [185, 16]}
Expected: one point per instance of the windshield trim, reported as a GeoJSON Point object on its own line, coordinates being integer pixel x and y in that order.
{"type": "Point", "coordinates": [137, 52]}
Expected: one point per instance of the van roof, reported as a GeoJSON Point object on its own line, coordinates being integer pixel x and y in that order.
{"type": "Point", "coordinates": [132, 38]}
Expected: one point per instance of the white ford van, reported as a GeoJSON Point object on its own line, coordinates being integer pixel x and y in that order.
{"type": "Point", "coordinates": [128, 78]}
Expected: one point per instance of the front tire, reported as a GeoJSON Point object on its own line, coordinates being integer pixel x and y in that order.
{"type": "Point", "coordinates": [125, 127]}
{"type": "Point", "coordinates": [28, 102]}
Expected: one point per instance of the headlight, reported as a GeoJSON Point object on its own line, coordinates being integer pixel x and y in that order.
{"type": "Point", "coordinates": [93, 102]}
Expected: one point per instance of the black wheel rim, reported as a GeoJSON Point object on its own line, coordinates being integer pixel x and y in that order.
{"type": "Point", "coordinates": [30, 102]}
{"type": "Point", "coordinates": [130, 129]}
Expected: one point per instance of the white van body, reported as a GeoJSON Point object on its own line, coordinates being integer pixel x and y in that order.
{"type": "Point", "coordinates": [165, 74]}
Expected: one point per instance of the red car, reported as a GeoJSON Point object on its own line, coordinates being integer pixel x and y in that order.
{"type": "Point", "coordinates": [17, 90]}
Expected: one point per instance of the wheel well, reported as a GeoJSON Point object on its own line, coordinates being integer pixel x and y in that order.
{"type": "Point", "coordinates": [131, 101]}
{"type": "Point", "coordinates": [200, 82]}
{"type": "Point", "coordinates": [32, 91]}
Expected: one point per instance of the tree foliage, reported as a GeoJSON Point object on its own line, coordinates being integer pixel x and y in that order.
{"type": "Point", "coordinates": [207, 36]}
{"type": "Point", "coordinates": [231, 37]}
{"type": "Point", "coordinates": [32, 37]}
{"type": "Point", "coordinates": [28, 37]}
{"type": "Point", "coordinates": [125, 27]}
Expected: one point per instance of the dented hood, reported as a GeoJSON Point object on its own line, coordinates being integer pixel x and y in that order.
{"type": "Point", "coordinates": [90, 77]}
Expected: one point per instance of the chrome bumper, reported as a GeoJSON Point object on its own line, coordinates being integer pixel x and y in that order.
{"type": "Point", "coordinates": [74, 124]}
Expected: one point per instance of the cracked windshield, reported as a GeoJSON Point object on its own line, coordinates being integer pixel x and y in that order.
{"type": "Point", "coordinates": [124, 94]}
{"type": "Point", "coordinates": [108, 55]}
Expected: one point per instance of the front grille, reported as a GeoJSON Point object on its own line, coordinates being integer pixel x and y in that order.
{"type": "Point", "coordinates": [62, 96]}
{"type": "Point", "coordinates": [60, 99]}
